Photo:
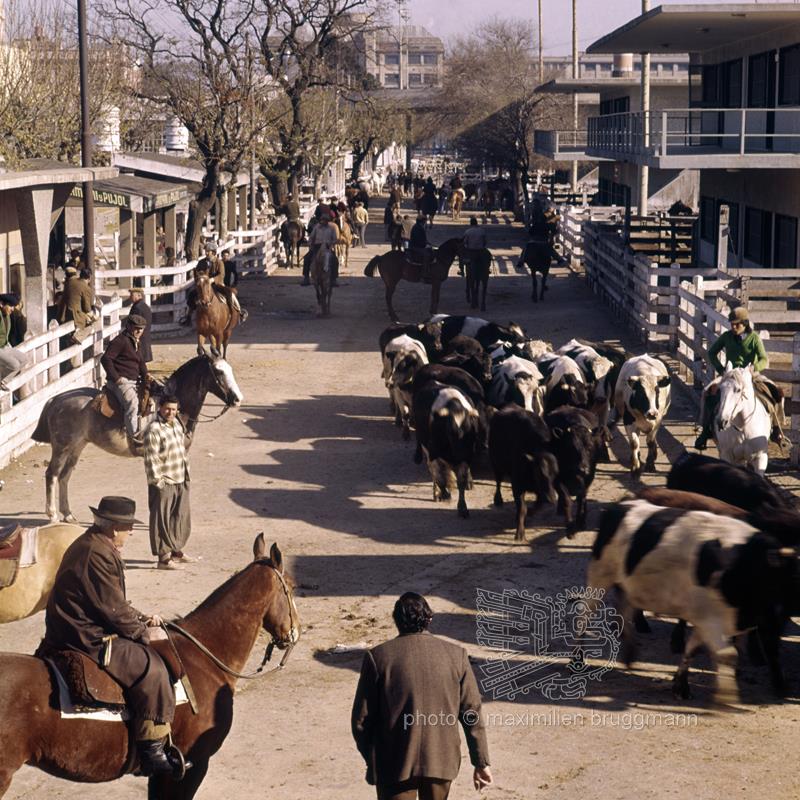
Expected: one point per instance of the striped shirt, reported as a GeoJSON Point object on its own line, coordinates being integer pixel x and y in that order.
{"type": "Point", "coordinates": [165, 452]}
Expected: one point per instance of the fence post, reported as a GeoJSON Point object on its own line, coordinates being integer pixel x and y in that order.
{"type": "Point", "coordinates": [697, 338]}
{"type": "Point", "coordinates": [794, 434]}
{"type": "Point", "coordinates": [52, 350]}
{"type": "Point", "coordinates": [652, 301]}
{"type": "Point", "coordinates": [674, 312]}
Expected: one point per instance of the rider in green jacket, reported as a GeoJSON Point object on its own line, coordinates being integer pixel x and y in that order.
{"type": "Point", "coordinates": [742, 347]}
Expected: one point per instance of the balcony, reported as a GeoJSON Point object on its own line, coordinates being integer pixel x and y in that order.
{"type": "Point", "coordinates": [699, 138]}
{"type": "Point", "coordinates": [569, 145]}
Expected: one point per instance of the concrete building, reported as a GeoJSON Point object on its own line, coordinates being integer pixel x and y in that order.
{"type": "Point", "coordinates": [673, 65]}
{"type": "Point", "coordinates": [403, 57]}
{"type": "Point", "coordinates": [738, 123]}
{"type": "Point", "coordinates": [610, 95]}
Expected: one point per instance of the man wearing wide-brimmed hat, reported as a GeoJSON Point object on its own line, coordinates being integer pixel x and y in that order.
{"type": "Point", "coordinates": [88, 611]}
{"type": "Point", "coordinates": [126, 372]}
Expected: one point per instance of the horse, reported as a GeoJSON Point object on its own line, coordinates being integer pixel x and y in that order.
{"type": "Point", "coordinates": [429, 205]}
{"type": "Point", "coordinates": [478, 270]}
{"type": "Point", "coordinates": [344, 242]}
{"type": "Point", "coordinates": [538, 255]}
{"type": "Point", "coordinates": [215, 319]}
{"type": "Point", "coordinates": [322, 278]}
{"type": "Point", "coordinates": [226, 625]}
{"type": "Point", "coordinates": [742, 424]}
{"type": "Point", "coordinates": [31, 588]}
{"type": "Point", "coordinates": [69, 421]}
{"type": "Point", "coordinates": [456, 203]}
{"type": "Point", "coordinates": [294, 235]}
{"type": "Point", "coordinates": [394, 267]}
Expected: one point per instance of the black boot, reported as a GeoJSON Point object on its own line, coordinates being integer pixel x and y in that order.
{"type": "Point", "coordinates": [153, 759]}
{"type": "Point", "coordinates": [702, 440]}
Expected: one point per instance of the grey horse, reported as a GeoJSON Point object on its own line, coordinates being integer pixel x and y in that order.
{"type": "Point", "coordinates": [69, 422]}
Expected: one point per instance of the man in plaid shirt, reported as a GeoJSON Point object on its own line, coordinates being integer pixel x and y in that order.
{"type": "Point", "coordinates": [168, 485]}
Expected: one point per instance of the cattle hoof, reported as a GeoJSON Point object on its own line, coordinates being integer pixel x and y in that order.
{"type": "Point", "coordinates": [650, 466]}
{"type": "Point", "coordinates": [519, 536]}
{"type": "Point", "coordinates": [53, 518]}
{"type": "Point", "coordinates": [445, 494]}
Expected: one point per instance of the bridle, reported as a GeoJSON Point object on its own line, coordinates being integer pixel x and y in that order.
{"type": "Point", "coordinates": [201, 418]}
{"type": "Point", "coordinates": [286, 643]}
{"type": "Point", "coordinates": [749, 416]}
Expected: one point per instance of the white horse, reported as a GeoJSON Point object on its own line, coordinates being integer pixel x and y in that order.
{"type": "Point", "coordinates": [742, 424]}
{"type": "Point", "coordinates": [377, 180]}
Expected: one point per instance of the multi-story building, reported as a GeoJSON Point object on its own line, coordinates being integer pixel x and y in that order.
{"type": "Point", "coordinates": [403, 57]}
{"type": "Point", "coordinates": [739, 122]}
{"type": "Point", "coordinates": [602, 66]}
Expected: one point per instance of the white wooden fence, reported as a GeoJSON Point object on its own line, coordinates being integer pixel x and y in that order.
{"type": "Point", "coordinates": [570, 234]}
{"type": "Point", "coordinates": [51, 370]}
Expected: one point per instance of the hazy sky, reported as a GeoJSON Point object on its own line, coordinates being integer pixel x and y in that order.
{"type": "Point", "coordinates": [448, 18]}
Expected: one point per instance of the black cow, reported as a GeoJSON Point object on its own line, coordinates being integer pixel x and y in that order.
{"type": "Point", "coordinates": [577, 440]}
{"type": "Point", "coordinates": [736, 485]}
{"type": "Point", "coordinates": [486, 332]}
{"type": "Point", "coordinates": [465, 347]}
{"type": "Point", "coordinates": [448, 431]}
{"type": "Point", "coordinates": [518, 449]}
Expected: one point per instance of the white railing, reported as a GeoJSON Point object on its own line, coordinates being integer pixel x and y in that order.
{"type": "Point", "coordinates": [682, 131]}
{"type": "Point", "coordinates": [53, 368]}
{"type": "Point", "coordinates": [570, 234]}
{"type": "Point", "coordinates": [554, 143]}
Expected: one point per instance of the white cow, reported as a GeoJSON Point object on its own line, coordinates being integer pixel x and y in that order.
{"type": "Point", "coordinates": [517, 380]}
{"type": "Point", "coordinates": [407, 357]}
{"type": "Point", "coordinates": [642, 398]}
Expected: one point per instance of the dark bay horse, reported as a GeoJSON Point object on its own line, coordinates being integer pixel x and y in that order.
{"type": "Point", "coordinates": [227, 623]}
{"type": "Point", "coordinates": [479, 268]}
{"type": "Point", "coordinates": [69, 421]}
{"type": "Point", "coordinates": [322, 279]}
{"type": "Point", "coordinates": [395, 267]}
{"type": "Point", "coordinates": [293, 237]}
{"type": "Point", "coordinates": [538, 255]}
{"type": "Point", "coordinates": [215, 319]}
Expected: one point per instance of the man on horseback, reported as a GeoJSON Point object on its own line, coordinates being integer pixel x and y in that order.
{"type": "Point", "coordinates": [474, 241]}
{"type": "Point", "coordinates": [325, 234]}
{"type": "Point", "coordinates": [419, 252]}
{"type": "Point", "coordinates": [742, 347]}
{"type": "Point", "coordinates": [214, 268]}
{"type": "Point", "coordinates": [88, 612]}
{"type": "Point", "coordinates": [126, 374]}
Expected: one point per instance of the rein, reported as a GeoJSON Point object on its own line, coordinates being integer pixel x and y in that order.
{"type": "Point", "coordinates": [258, 673]}
{"type": "Point", "coordinates": [208, 417]}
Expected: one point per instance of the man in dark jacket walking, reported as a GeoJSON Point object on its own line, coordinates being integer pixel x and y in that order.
{"type": "Point", "coordinates": [141, 309]}
{"type": "Point", "coordinates": [413, 693]}
{"type": "Point", "coordinates": [87, 611]}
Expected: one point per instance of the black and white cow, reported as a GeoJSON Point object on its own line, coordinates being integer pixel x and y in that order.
{"type": "Point", "coordinates": [483, 330]}
{"type": "Point", "coordinates": [576, 443]}
{"type": "Point", "coordinates": [407, 362]}
{"type": "Point", "coordinates": [429, 334]}
{"type": "Point", "coordinates": [598, 372]}
{"type": "Point", "coordinates": [719, 574]}
{"type": "Point", "coordinates": [396, 349]}
{"type": "Point", "coordinates": [641, 398]}
{"type": "Point", "coordinates": [564, 382]}
{"type": "Point", "coordinates": [448, 432]}
{"type": "Point", "coordinates": [467, 353]}
{"type": "Point", "coordinates": [517, 380]}
{"type": "Point", "coordinates": [532, 349]}
{"type": "Point", "coordinates": [518, 449]}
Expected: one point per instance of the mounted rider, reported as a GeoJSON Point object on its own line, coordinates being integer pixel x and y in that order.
{"type": "Point", "coordinates": [88, 612]}
{"type": "Point", "coordinates": [742, 347]}
{"type": "Point", "coordinates": [420, 253]}
{"type": "Point", "coordinates": [474, 240]}
{"type": "Point", "coordinates": [325, 234]}
{"type": "Point", "coordinates": [126, 375]}
{"type": "Point", "coordinates": [214, 268]}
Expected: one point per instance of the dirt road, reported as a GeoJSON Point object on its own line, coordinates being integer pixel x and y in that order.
{"type": "Point", "coordinates": [313, 460]}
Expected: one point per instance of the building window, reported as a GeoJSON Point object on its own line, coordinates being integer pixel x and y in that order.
{"type": "Point", "coordinates": [708, 223]}
{"type": "Point", "coordinates": [710, 94]}
{"type": "Point", "coordinates": [761, 80]}
{"type": "Point", "coordinates": [730, 90]}
{"type": "Point", "coordinates": [415, 59]}
{"type": "Point", "coordinates": [785, 255]}
{"type": "Point", "coordinates": [789, 94]}
{"type": "Point", "coordinates": [430, 79]}
{"type": "Point", "coordinates": [391, 58]}
{"type": "Point", "coordinates": [431, 59]}
{"type": "Point", "coordinates": [757, 236]}
{"type": "Point", "coordinates": [414, 79]}
{"type": "Point", "coordinates": [391, 79]}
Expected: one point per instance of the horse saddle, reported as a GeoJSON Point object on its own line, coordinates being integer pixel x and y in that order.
{"type": "Point", "coordinates": [89, 686]}
{"type": "Point", "coordinates": [17, 550]}
{"type": "Point", "coordinates": [107, 404]}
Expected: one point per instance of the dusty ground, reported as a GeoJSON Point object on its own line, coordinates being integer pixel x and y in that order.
{"type": "Point", "coordinates": [313, 460]}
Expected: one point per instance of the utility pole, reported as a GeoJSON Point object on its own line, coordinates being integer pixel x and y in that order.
{"type": "Point", "coordinates": [541, 56]}
{"type": "Point", "coordinates": [644, 171]}
{"type": "Point", "coordinates": [576, 75]}
{"type": "Point", "coordinates": [86, 137]}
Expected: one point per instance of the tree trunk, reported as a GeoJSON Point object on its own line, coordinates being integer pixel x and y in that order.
{"type": "Point", "coordinates": [278, 181]}
{"type": "Point", "coordinates": [198, 209]}
{"type": "Point", "coordinates": [359, 155]}
{"type": "Point", "coordinates": [222, 213]}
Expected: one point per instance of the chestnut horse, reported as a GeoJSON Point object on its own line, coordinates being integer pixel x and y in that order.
{"type": "Point", "coordinates": [215, 319]}
{"type": "Point", "coordinates": [395, 267]}
{"type": "Point", "coordinates": [227, 624]}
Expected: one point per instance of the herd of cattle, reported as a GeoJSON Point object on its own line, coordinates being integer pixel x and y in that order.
{"type": "Point", "coordinates": [716, 548]}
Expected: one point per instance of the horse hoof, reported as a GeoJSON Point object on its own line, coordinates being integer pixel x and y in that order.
{"type": "Point", "coordinates": [70, 518]}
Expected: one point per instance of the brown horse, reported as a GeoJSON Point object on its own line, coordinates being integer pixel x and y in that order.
{"type": "Point", "coordinates": [294, 235]}
{"type": "Point", "coordinates": [227, 624]}
{"type": "Point", "coordinates": [395, 267]}
{"type": "Point", "coordinates": [344, 242]}
{"type": "Point", "coordinates": [322, 279]}
{"type": "Point", "coordinates": [457, 203]}
{"type": "Point", "coordinates": [215, 319]}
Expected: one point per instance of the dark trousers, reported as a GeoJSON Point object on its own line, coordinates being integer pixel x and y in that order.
{"type": "Point", "coordinates": [170, 518]}
{"type": "Point", "coordinates": [144, 679]}
{"type": "Point", "coordinates": [424, 788]}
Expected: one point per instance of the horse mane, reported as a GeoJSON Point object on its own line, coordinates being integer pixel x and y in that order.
{"type": "Point", "coordinates": [186, 369]}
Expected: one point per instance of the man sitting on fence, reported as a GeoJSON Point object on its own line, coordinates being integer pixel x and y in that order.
{"type": "Point", "coordinates": [742, 347]}
{"type": "Point", "coordinates": [11, 360]}
{"type": "Point", "coordinates": [126, 375]}
{"type": "Point", "coordinates": [215, 269]}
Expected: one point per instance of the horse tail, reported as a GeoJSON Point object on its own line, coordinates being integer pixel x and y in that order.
{"type": "Point", "coordinates": [42, 432]}
{"type": "Point", "coordinates": [369, 270]}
